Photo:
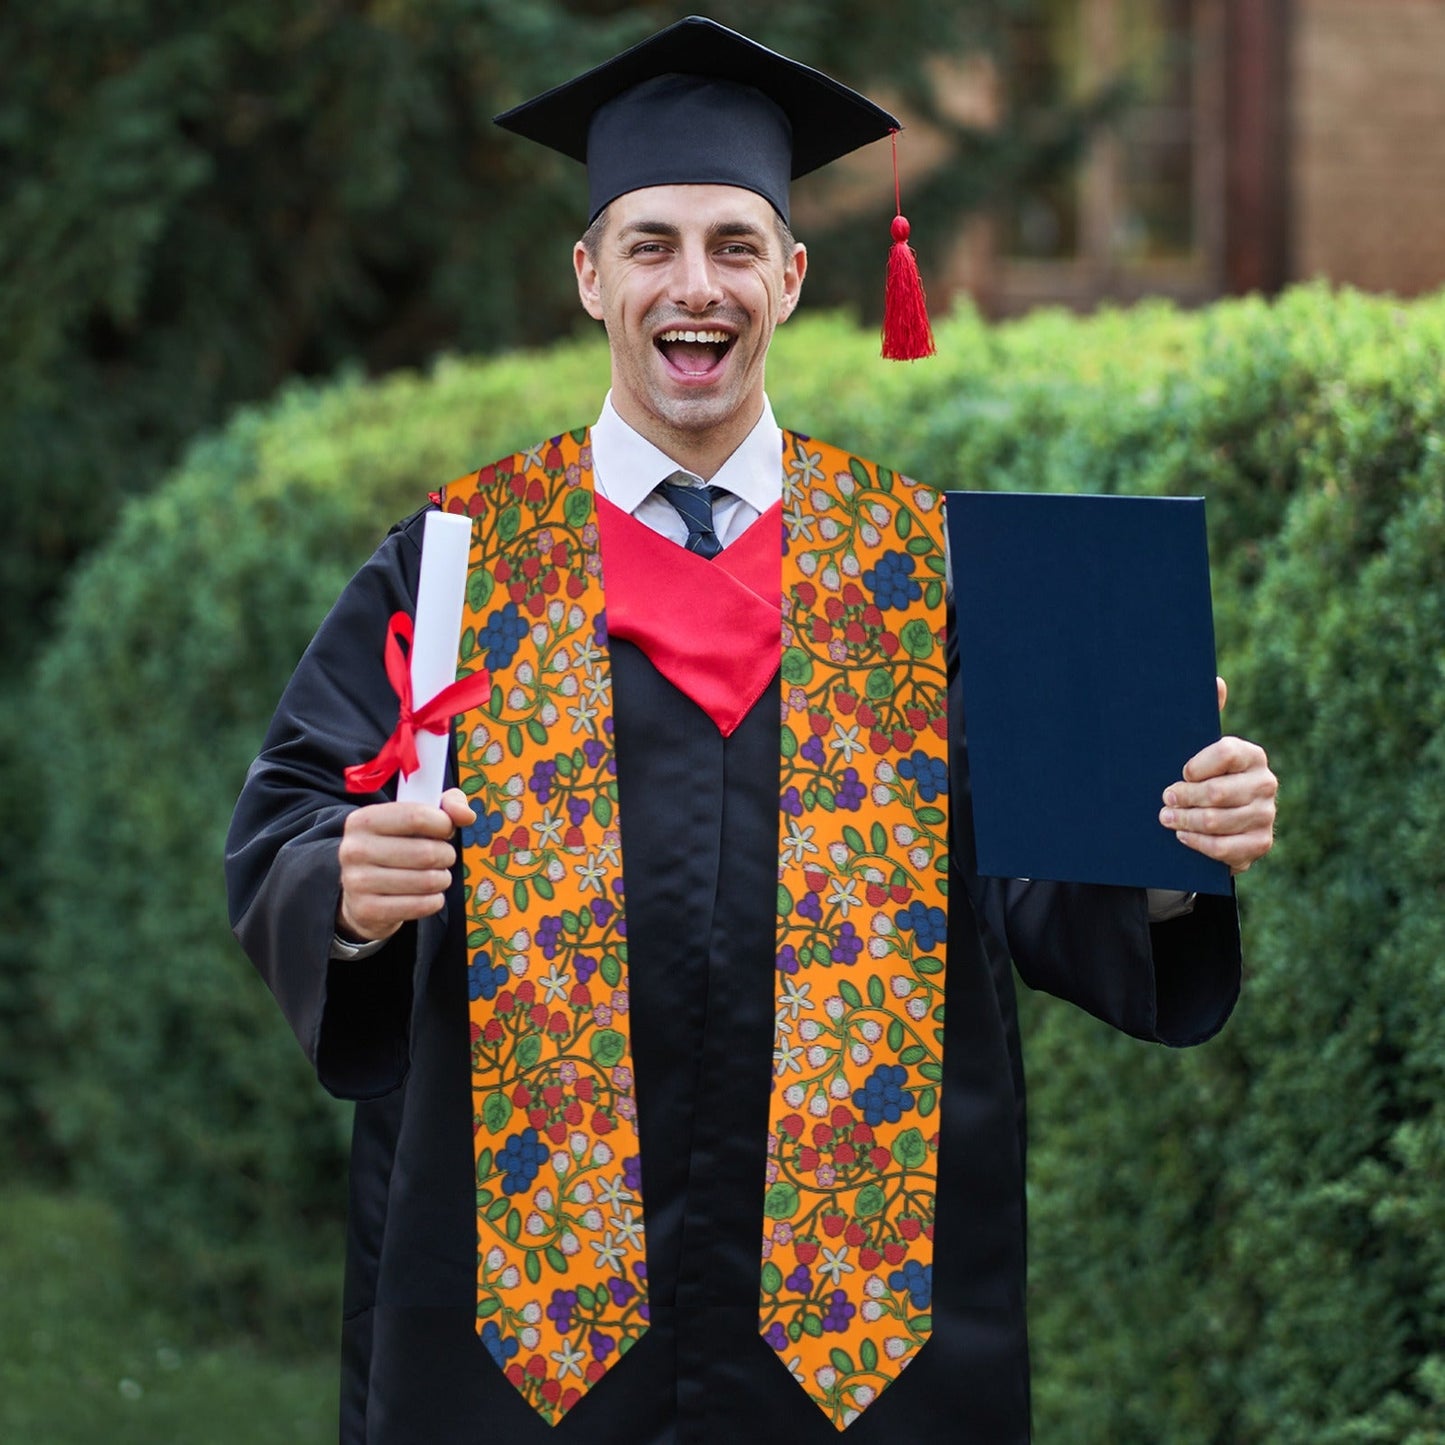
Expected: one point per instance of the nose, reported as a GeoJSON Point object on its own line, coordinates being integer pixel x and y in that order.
{"type": "Point", "coordinates": [696, 286]}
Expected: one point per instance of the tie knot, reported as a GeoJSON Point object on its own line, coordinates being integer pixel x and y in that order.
{"type": "Point", "coordinates": [693, 502]}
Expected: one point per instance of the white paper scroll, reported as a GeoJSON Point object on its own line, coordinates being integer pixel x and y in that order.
{"type": "Point", "coordinates": [446, 541]}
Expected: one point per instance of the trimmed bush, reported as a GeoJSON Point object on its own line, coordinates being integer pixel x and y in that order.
{"type": "Point", "coordinates": [1238, 1244]}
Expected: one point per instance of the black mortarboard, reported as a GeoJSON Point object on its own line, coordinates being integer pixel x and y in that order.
{"type": "Point", "coordinates": [699, 104]}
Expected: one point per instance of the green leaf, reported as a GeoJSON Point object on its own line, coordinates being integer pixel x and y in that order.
{"type": "Point", "coordinates": [772, 1278]}
{"type": "Point", "coordinates": [781, 1201]}
{"type": "Point", "coordinates": [910, 1149]}
{"type": "Point", "coordinates": [585, 1298]}
{"type": "Point", "coordinates": [480, 586]}
{"type": "Point", "coordinates": [896, 1035]}
{"type": "Point", "coordinates": [917, 639]}
{"type": "Point", "coordinates": [611, 970]}
{"type": "Point", "coordinates": [556, 1259]}
{"type": "Point", "coordinates": [563, 760]}
{"type": "Point", "coordinates": [927, 1102]}
{"type": "Point", "coordinates": [903, 522]}
{"type": "Point", "coordinates": [790, 743]}
{"type": "Point", "coordinates": [488, 1306]}
{"type": "Point", "coordinates": [484, 1164]}
{"type": "Point", "coordinates": [785, 902]}
{"type": "Point", "coordinates": [868, 1355]}
{"type": "Point", "coordinates": [497, 1209]}
{"type": "Point", "coordinates": [920, 545]}
{"type": "Point", "coordinates": [473, 785]}
{"type": "Point", "coordinates": [529, 1050]}
{"type": "Point", "coordinates": [875, 991]}
{"type": "Point", "coordinates": [602, 809]}
{"type": "Point", "coordinates": [795, 1330]}
{"type": "Point", "coordinates": [536, 731]}
{"type": "Point", "coordinates": [850, 994]}
{"type": "Point", "coordinates": [913, 1054]}
{"type": "Point", "coordinates": [544, 887]}
{"type": "Point", "coordinates": [826, 800]}
{"type": "Point", "coordinates": [496, 1112]}
{"type": "Point", "coordinates": [842, 1361]}
{"type": "Point", "coordinates": [813, 1325]}
{"type": "Point", "coordinates": [932, 1071]}
{"type": "Point", "coordinates": [577, 508]}
{"type": "Point", "coordinates": [467, 647]}
{"type": "Point", "coordinates": [534, 1266]}
{"type": "Point", "coordinates": [931, 817]}
{"type": "Point", "coordinates": [878, 836]}
{"type": "Point", "coordinates": [514, 740]}
{"type": "Point", "coordinates": [797, 667]}
{"type": "Point", "coordinates": [933, 593]}
{"type": "Point", "coordinates": [513, 1227]}
{"type": "Point", "coordinates": [571, 921]}
{"type": "Point", "coordinates": [608, 1048]}
{"type": "Point", "coordinates": [509, 523]}
{"type": "Point", "coordinates": [520, 895]}
{"type": "Point", "coordinates": [871, 1200]}
{"type": "Point", "coordinates": [861, 474]}
{"type": "Point", "coordinates": [854, 839]}
{"type": "Point", "coordinates": [923, 1324]}
{"type": "Point", "coordinates": [925, 964]}
{"type": "Point", "coordinates": [879, 685]}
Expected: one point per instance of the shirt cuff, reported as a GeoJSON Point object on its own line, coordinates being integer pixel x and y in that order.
{"type": "Point", "coordinates": [1167, 903]}
{"type": "Point", "coordinates": [343, 948]}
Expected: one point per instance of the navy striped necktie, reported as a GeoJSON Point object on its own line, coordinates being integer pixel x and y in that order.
{"type": "Point", "coordinates": [694, 505]}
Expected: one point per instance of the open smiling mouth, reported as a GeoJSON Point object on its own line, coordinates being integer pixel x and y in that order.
{"type": "Point", "coordinates": [694, 352]}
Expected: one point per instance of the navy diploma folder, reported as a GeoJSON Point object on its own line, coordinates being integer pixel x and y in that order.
{"type": "Point", "coordinates": [1086, 654]}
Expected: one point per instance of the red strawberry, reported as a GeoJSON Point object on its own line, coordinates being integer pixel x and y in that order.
{"type": "Point", "coordinates": [834, 1224]}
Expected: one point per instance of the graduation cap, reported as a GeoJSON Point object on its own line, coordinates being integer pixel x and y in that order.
{"type": "Point", "coordinates": [699, 104]}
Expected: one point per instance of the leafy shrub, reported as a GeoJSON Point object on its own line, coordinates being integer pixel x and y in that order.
{"type": "Point", "coordinates": [1240, 1244]}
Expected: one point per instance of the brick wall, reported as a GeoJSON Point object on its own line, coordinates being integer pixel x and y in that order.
{"type": "Point", "coordinates": [1367, 144]}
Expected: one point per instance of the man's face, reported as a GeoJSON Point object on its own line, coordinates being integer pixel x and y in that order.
{"type": "Point", "coordinates": [690, 282]}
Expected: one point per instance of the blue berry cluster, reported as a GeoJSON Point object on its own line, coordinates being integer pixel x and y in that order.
{"type": "Point", "coordinates": [917, 1279]}
{"type": "Point", "coordinates": [883, 1099]}
{"type": "Point", "coordinates": [484, 977]}
{"type": "Point", "coordinates": [891, 581]}
{"type": "Point", "coordinates": [504, 629]}
{"type": "Point", "coordinates": [480, 833]}
{"type": "Point", "coordinates": [931, 775]}
{"type": "Point", "coordinates": [499, 1348]}
{"type": "Point", "coordinates": [929, 925]}
{"type": "Point", "coordinates": [521, 1156]}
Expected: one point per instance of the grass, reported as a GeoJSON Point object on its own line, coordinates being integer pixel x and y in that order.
{"type": "Point", "coordinates": [83, 1358]}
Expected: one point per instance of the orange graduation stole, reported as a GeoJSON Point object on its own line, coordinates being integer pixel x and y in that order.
{"type": "Point", "coordinates": [846, 1255]}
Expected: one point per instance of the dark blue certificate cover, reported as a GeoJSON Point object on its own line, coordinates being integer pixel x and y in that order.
{"type": "Point", "coordinates": [1086, 644]}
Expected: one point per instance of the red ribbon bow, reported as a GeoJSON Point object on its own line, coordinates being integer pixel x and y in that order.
{"type": "Point", "coordinates": [398, 754]}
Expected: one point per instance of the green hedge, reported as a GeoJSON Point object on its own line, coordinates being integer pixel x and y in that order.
{"type": "Point", "coordinates": [1239, 1244]}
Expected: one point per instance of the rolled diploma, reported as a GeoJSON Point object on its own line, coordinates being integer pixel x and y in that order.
{"type": "Point", "coordinates": [445, 544]}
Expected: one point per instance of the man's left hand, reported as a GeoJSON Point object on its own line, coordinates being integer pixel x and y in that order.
{"type": "Point", "coordinates": [1224, 805]}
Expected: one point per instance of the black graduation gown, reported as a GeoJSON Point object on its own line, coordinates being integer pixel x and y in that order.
{"type": "Point", "coordinates": [699, 820]}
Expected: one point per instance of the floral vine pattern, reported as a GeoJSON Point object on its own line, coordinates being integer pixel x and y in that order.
{"type": "Point", "coordinates": [847, 1274]}
{"type": "Point", "coordinates": [561, 1263]}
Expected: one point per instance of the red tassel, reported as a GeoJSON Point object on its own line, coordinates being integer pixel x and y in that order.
{"type": "Point", "coordinates": [906, 332]}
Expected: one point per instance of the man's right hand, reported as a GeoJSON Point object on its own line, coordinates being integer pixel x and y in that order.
{"type": "Point", "coordinates": [396, 862]}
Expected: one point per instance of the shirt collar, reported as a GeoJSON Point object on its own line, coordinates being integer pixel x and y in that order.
{"type": "Point", "coordinates": [627, 467]}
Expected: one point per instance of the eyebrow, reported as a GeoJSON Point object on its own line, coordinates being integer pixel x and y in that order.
{"type": "Point", "coordinates": [666, 230]}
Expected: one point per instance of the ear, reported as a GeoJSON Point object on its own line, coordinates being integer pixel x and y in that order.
{"type": "Point", "coordinates": [589, 284]}
{"type": "Point", "coordinates": [795, 268]}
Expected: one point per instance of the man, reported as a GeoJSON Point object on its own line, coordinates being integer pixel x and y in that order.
{"type": "Point", "coordinates": [663, 1133]}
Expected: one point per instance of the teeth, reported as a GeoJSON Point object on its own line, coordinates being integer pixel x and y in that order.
{"type": "Point", "coordinates": [718, 337]}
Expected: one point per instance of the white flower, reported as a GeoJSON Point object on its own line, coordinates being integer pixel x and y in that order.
{"type": "Point", "coordinates": [561, 1164]}
{"type": "Point", "coordinates": [864, 1395]}
{"type": "Point", "coordinates": [828, 529]}
{"type": "Point", "coordinates": [531, 1312]}
{"type": "Point", "coordinates": [547, 713]}
{"type": "Point", "coordinates": [583, 717]}
{"type": "Point", "coordinates": [798, 842]}
{"type": "Point", "coordinates": [842, 895]}
{"type": "Point", "coordinates": [512, 810]}
{"type": "Point", "coordinates": [785, 1058]}
{"type": "Point", "coordinates": [833, 1007]}
{"type": "Point", "coordinates": [585, 652]}
{"type": "Point", "coordinates": [884, 772]}
{"type": "Point", "coordinates": [826, 1376]}
{"type": "Point", "coordinates": [577, 1142]}
{"type": "Point", "coordinates": [496, 1258]}
{"type": "Point", "coordinates": [840, 1088]}
{"type": "Point", "coordinates": [805, 467]}
{"type": "Point", "coordinates": [925, 499]}
{"type": "Point", "coordinates": [555, 871]}
{"type": "Point", "coordinates": [614, 1191]}
{"type": "Point", "coordinates": [628, 1225]}
{"type": "Point", "coordinates": [877, 948]}
{"type": "Point", "coordinates": [845, 741]}
{"type": "Point", "coordinates": [592, 1219]}
{"type": "Point", "coordinates": [539, 633]}
{"type": "Point", "coordinates": [514, 786]}
{"type": "Point", "coordinates": [794, 1095]}
{"type": "Point", "coordinates": [871, 1030]}
{"type": "Point", "coordinates": [554, 613]}
{"type": "Point", "coordinates": [800, 523]}
{"type": "Point", "coordinates": [568, 686]}
{"type": "Point", "coordinates": [795, 997]}
{"type": "Point", "coordinates": [569, 1359]}
{"type": "Point", "coordinates": [592, 873]}
{"type": "Point", "coordinates": [574, 618]}
{"type": "Point", "coordinates": [918, 857]}
{"type": "Point", "coordinates": [880, 514]}
{"type": "Point", "coordinates": [582, 1194]}
{"type": "Point", "coordinates": [809, 1030]}
{"type": "Point", "coordinates": [900, 985]}
{"type": "Point", "coordinates": [601, 1153]}
{"type": "Point", "coordinates": [874, 1287]}
{"type": "Point", "coordinates": [808, 563]}
{"type": "Point", "coordinates": [881, 794]}
{"type": "Point", "coordinates": [516, 699]}
{"type": "Point", "coordinates": [818, 1106]}
{"type": "Point", "coordinates": [510, 1277]}
{"type": "Point", "coordinates": [917, 1009]}
{"type": "Point", "coordinates": [838, 852]}
{"type": "Point", "coordinates": [544, 1199]}
{"type": "Point", "coordinates": [500, 908]}
{"type": "Point", "coordinates": [555, 983]}
{"type": "Point", "coordinates": [526, 674]}
{"type": "Point", "coordinates": [903, 834]}
{"type": "Point", "coordinates": [610, 1253]}
{"type": "Point", "coordinates": [895, 1347]}
{"type": "Point", "coordinates": [859, 1052]}
{"type": "Point", "coordinates": [536, 1224]}
{"type": "Point", "coordinates": [529, 1337]}
{"type": "Point", "coordinates": [817, 1056]}
{"type": "Point", "coordinates": [852, 567]}
{"type": "Point", "coordinates": [830, 578]}
{"type": "Point", "coordinates": [599, 686]}
{"type": "Point", "coordinates": [868, 534]}
{"type": "Point", "coordinates": [569, 1243]}
{"type": "Point", "coordinates": [881, 924]}
{"type": "Point", "coordinates": [835, 1264]}
{"type": "Point", "coordinates": [795, 1368]}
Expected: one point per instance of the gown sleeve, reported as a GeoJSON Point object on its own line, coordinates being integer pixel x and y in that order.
{"type": "Point", "coordinates": [283, 875]}
{"type": "Point", "coordinates": [1093, 945]}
